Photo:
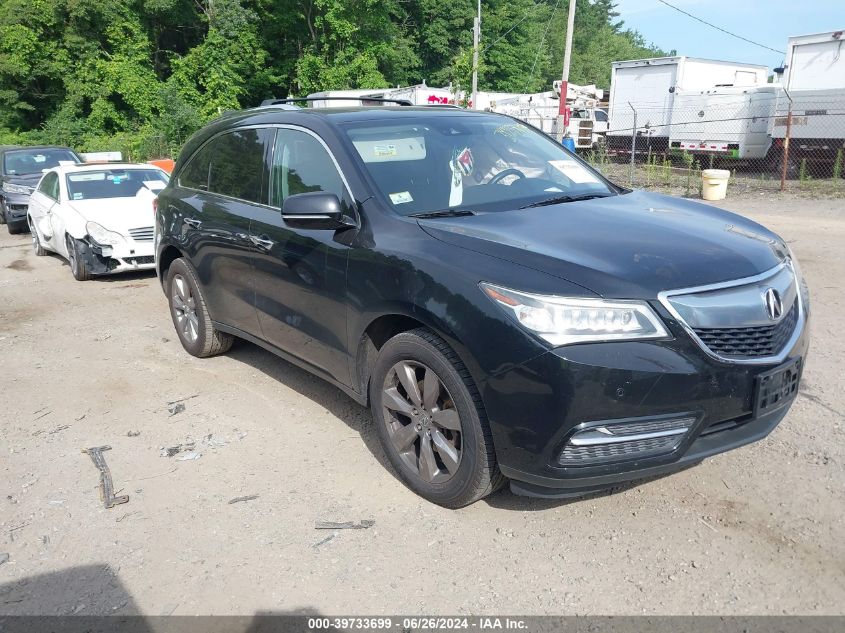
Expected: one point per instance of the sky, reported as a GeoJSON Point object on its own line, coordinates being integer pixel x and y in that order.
{"type": "Point", "coordinates": [769, 22]}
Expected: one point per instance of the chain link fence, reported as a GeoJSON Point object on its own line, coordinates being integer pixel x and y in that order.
{"type": "Point", "coordinates": [767, 139]}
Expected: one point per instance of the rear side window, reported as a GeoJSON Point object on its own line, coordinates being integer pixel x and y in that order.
{"type": "Point", "coordinates": [232, 165]}
{"type": "Point", "coordinates": [195, 174]}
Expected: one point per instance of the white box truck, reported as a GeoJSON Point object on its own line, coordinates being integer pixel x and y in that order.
{"type": "Point", "coordinates": [814, 80]}
{"type": "Point", "coordinates": [729, 122]}
{"type": "Point", "coordinates": [649, 86]}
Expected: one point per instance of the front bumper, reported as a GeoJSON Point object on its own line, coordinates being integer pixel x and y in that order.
{"type": "Point", "coordinates": [533, 408]}
{"type": "Point", "coordinates": [132, 255]}
{"type": "Point", "coordinates": [15, 207]}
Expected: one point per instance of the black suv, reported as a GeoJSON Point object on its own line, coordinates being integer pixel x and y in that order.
{"type": "Point", "coordinates": [506, 312]}
{"type": "Point", "coordinates": [20, 170]}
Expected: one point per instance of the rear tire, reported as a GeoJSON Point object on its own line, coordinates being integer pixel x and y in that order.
{"type": "Point", "coordinates": [434, 432]}
{"type": "Point", "coordinates": [78, 267]}
{"type": "Point", "coordinates": [190, 314]}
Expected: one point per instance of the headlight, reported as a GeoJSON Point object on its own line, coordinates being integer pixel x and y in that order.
{"type": "Point", "coordinates": [566, 320]}
{"type": "Point", "coordinates": [9, 187]}
{"type": "Point", "coordinates": [102, 235]}
{"type": "Point", "coordinates": [802, 284]}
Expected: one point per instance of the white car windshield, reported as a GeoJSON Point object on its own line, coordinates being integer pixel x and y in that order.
{"type": "Point", "coordinates": [441, 163]}
{"type": "Point", "coordinates": [113, 183]}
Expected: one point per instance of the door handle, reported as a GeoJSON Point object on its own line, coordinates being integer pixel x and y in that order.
{"type": "Point", "coordinates": [263, 242]}
{"type": "Point", "coordinates": [192, 222]}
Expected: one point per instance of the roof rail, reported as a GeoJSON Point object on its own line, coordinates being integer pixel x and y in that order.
{"type": "Point", "coordinates": [402, 102]}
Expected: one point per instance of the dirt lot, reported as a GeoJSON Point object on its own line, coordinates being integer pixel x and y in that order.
{"type": "Point", "coordinates": [759, 530]}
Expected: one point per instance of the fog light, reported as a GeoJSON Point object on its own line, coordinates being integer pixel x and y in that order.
{"type": "Point", "coordinates": [619, 440]}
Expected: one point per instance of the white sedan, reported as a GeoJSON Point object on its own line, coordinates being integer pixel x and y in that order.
{"type": "Point", "coordinates": [98, 217]}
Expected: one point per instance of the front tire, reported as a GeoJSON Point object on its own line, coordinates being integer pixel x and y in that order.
{"type": "Point", "coordinates": [431, 422]}
{"type": "Point", "coordinates": [190, 315]}
{"type": "Point", "coordinates": [39, 250]}
{"type": "Point", "coordinates": [78, 266]}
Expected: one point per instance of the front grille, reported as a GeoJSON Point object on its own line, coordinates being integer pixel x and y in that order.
{"type": "Point", "coordinates": [582, 455]}
{"type": "Point", "coordinates": [142, 234]}
{"type": "Point", "coordinates": [750, 342]}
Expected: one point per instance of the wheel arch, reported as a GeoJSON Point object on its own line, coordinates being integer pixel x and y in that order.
{"type": "Point", "coordinates": [165, 258]}
{"type": "Point", "coordinates": [383, 326]}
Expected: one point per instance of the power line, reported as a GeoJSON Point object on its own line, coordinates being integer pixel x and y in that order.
{"type": "Point", "coordinates": [718, 28]}
{"type": "Point", "coordinates": [542, 42]}
{"type": "Point", "coordinates": [503, 35]}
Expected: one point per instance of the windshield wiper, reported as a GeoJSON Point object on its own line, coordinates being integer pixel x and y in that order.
{"type": "Point", "coordinates": [446, 213]}
{"type": "Point", "coordinates": [562, 199]}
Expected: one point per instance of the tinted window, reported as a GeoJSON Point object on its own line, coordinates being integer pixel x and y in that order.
{"type": "Point", "coordinates": [113, 183]}
{"type": "Point", "coordinates": [49, 185]}
{"type": "Point", "coordinates": [237, 164]}
{"type": "Point", "coordinates": [300, 165]}
{"type": "Point", "coordinates": [22, 162]}
{"type": "Point", "coordinates": [195, 173]}
{"type": "Point", "coordinates": [601, 115]}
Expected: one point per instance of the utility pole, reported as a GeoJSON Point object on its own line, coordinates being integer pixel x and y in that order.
{"type": "Point", "coordinates": [563, 109]}
{"type": "Point", "coordinates": [476, 36]}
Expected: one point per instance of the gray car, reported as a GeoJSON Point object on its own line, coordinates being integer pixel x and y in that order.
{"type": "Point", "coordinates": [20, 170]}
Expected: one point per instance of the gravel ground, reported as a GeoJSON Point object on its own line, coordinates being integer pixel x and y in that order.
{"type": "Point", "coordinates": [755, 531]}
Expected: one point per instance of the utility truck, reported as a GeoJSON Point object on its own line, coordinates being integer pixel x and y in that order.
{"type": "Point", "coordinates": [814, 94]}
{"type": "Point", "coordinates": [643, 94]}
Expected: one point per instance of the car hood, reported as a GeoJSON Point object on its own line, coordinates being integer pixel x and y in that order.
{"type": "Point", "coordinates": [30, 180]}
{"type": "Point", "coordinates": [117, 214]}
{"type": "Point", "coordinates": [628, 246]}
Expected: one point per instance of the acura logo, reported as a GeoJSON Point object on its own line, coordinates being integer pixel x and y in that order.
{"type": "Point", "coordinates": [774, 305]}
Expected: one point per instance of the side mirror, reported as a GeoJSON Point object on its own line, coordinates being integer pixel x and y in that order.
{"type": "Point", "coordinates": [313, 210]}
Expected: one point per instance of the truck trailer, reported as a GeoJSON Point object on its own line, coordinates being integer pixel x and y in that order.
{"type": "Point", "coordinates": [728, 122]}
{"type": "Point", "coordinates": [643, 93]}
{"type": "Point", "coordinates": [812, 103]}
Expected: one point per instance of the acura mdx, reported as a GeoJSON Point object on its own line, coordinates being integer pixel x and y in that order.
{"type": "Point", "coordinates": [507, 313]}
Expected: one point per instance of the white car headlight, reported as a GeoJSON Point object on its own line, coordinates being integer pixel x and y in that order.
{"type": "Point", "coordinates": [103, 236]}
{"type": "Point", "coordinates": [9, 187]}
{"type": "Point", "coordinates": [567, 320]}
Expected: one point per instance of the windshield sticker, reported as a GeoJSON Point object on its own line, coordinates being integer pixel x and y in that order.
{"type": "Point", "coordinates": [574, 171]}
{"type": "Point", "coordinates": [84, 177]}
{"type": "Point", "coordinates": [401, 197]}
{"type": "Point", "coordinates": [456, 191]}
{"type": "Point", "coordinates": [384, 150]}
{"type": "Point", "coordinates": [77, 196]}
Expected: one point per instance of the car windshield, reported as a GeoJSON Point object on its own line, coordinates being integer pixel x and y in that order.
{"type": "Point", "coordinates": [113, 183]}
{"type": "Point", "coordinates": [469, 163]}
{"type": "Point", "coordinates": [25, 162]}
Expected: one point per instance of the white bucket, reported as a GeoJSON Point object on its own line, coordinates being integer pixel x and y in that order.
{"type": "Point", "coordinates": [714, 183]}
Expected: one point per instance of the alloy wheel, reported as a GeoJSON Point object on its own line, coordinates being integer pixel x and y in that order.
{"type": "Point", "coordinates": [184, 308]}
{"type": "Point", "coordinates": [71, 255]}
{"type": "Point", "coordinates": [422, 423]}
